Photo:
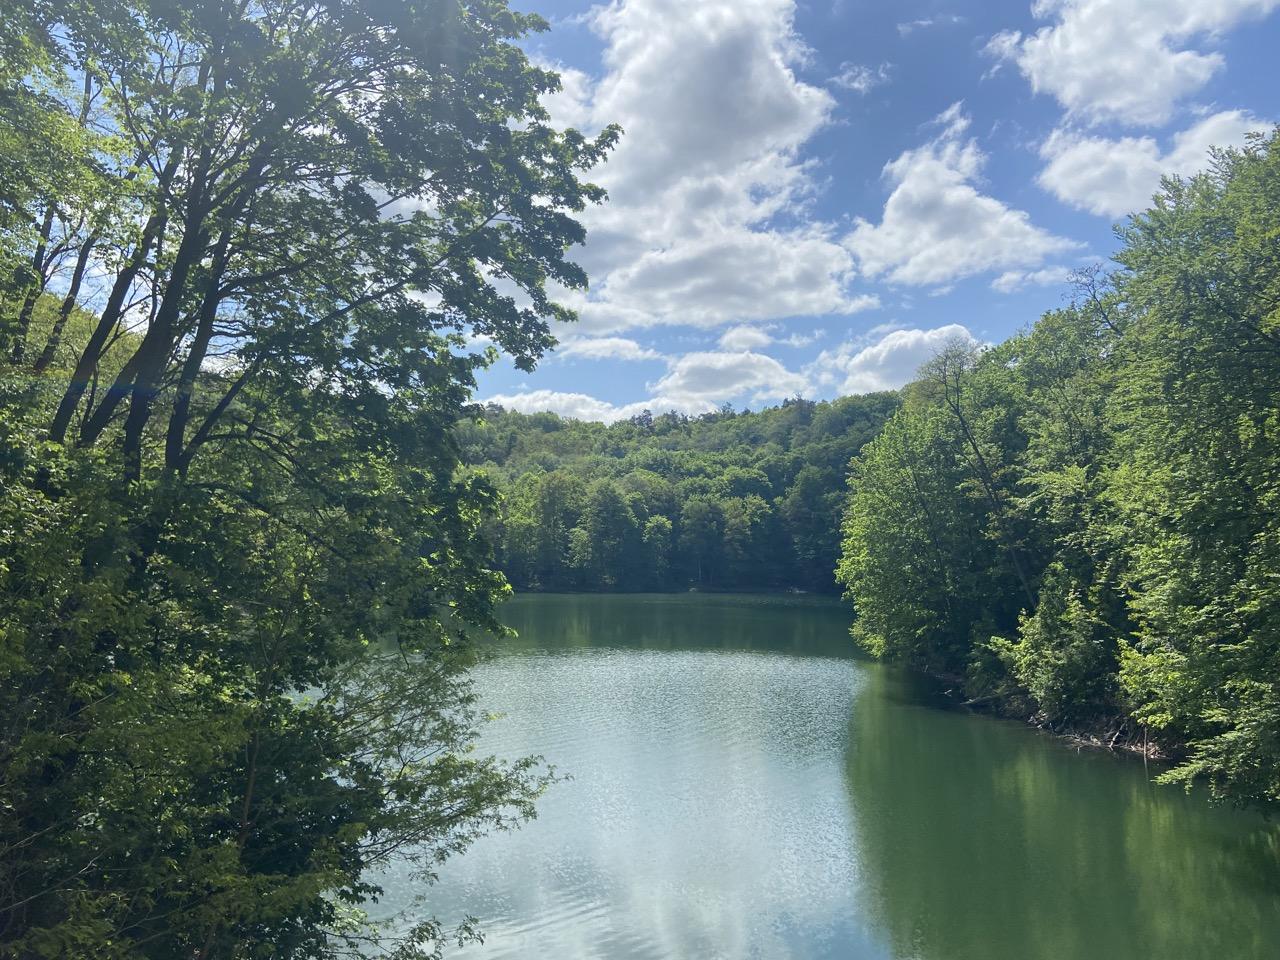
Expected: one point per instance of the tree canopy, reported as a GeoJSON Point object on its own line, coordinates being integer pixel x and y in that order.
{"type": "Point", "coordinates": [243, 248]}
{"type": "Point", "coordinates": [1080, 524]}
{"type": "Point", "coordinates": [726, 501]}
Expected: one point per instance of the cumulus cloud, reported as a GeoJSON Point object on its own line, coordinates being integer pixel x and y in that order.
{"type": "Point", "coordinates": [860, 78]}
{"type": "Point", "coordinates": [886, 364]}
{"type": "Point", "coordinates": [1115, 177]}
{"type": "Point", "coordinates": [714, 118]}
{"type": "Point", "coordinates": [1127, 60]}
{"type": "Point", "coordinates": [703, 380]}
{"type": "Point", "coordinates": [937, 227]}
{"type": "Point", "coordinates": [885, 358]}
{"type": "Point", "coordinates": [747, 275]}
{"type": "Point", "coordinates": [745, 337]}
{"type": "Point", "coordinates": [571, 105]}
{"type": "Point", "coordinates": [579, 406]}
{"type": "Point", "coordinates": [607, 348]}
{"type": "Point", "coordinates": [694, 383]}
{"type": "Point", "coordinates": [1011, 281]}
{"type": "Point", "coordinates": [748, 337]}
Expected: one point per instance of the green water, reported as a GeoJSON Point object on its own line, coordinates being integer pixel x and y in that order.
{"type": "Point", "coordinates": [743, 786]}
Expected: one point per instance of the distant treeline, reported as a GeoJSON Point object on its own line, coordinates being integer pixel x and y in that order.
{"type": "Point", "coordinates": [1083, 523]}
{"type": "Point", "coordinates": [724, 501]}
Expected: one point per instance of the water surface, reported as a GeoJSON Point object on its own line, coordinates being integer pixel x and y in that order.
{"type": "Point", "coordinates": [743, 786]}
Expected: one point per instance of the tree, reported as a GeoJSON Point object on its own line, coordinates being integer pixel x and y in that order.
{"type": "Point", "coordinates": [1198, 484]}
{"type": "Point", "coordinates": [656, 552]}
{"type": "Point", "coordinates": [748, 525]}
{"type": "Point", "coordinates": [604, 554]}
{"type": "Point", "coordinates": [559, 506]}
{"type": "Point", "coordinates": [810, 507]}
{"type": "Point", "coordinates": [242, 571]}
{"type": "Point", "coordinates": [1064, 657]}
{"type": "Point", "coordinates": [955, 372]}
{"type": "Point", "coordinates": [913, 557]}
{"type": "Point", "coordinates": [702, 539]}
{"type": "Point", "coordinates": [1067, 652]}
{"type": "Point", "coordinates": [294, 205]}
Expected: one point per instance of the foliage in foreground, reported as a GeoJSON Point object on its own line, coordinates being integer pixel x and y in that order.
{"type": "Point", "coordinates": [240, 586]}
{"type": "Point", "coordinates": [1082, 523]}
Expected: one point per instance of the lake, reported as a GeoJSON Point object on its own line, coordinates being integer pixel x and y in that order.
{"type": "Point", "coordinates": [743, 785]}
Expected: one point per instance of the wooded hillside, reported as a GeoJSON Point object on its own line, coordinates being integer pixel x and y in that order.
{"type": "Point", "coordinates": [725, 501]}
{"type": "Point", "coordinates": [1082, 524]}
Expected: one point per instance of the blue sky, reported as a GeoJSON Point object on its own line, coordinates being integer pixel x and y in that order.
{"type": "Point", "coordinates": [811, 196]}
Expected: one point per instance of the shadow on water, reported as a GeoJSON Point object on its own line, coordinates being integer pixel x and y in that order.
{"type": "Point", "coordinates": [761, 623]}
{"type": "Point", "coordinates": [982, 840]}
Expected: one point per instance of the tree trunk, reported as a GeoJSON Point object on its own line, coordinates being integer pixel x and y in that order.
{"type": "Point", "coordinates": [37, 288]}
{"type": "Point", "coordinates": [68, 304]}
{"type": "Point", "coordinates": [987, 479]}
{"type": "Point", "coordinates": [176, 434]}
{"type": "Point", "coordinates": [88, 363]}
{"type": "Point", "coordinates": [141, 375]}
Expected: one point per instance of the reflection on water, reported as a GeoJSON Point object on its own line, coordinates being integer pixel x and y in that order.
{"type": "Point", "coordinates": [984, 840]}
{"type": "Point", "coordinates": [742, 787]}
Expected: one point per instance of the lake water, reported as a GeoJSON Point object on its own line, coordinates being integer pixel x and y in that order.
{"type": "Point", "coordinates": [744, 787]}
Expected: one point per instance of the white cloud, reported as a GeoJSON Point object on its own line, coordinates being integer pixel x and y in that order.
{"type": "Point", "coordinates": [1011, 281]}
{"type": "Point", "coordinates": [704, 380]}
{"type": "Point", "coordinates": [937, 227]}
{"type": "Point", "coordinates": [887, 364]}
{"type": "Point", "coordinates": [803, 339]}
{"type": "Point", "coordinates": [1115, 177]}
{"type": "Point", "coordinates": [715, 78]}
{"type": "Point", "coordinates": [734, 275]}
{"type": "Point", "coordinates": [745, 337]}
{"type": "Point", "coordinates": [607, 348]}
{"type": "Point", "coordinates": [1128, 60]}
{"type": "Point", "coordinates": [579, 406]}
{"type": "Point", "coordinates": [714, 119]}
{"type": "Point", "coordinates": [860, 78]}
{"type": "Point", "coordinates": [946, 19]}
{"type": "Point", "coordinates": [695, 383]}
{"type": "Point", "coordinates": [571, 106]}
{"type": "Point", "coordinates": [883, 359]}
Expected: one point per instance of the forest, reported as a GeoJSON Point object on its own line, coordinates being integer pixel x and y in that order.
{"type": "Point", "coordinates": [255, 526]}
{"type": "Point", "coordinates": [1080, 524]}
{"type": "Point", "coordinates": [725, 501]}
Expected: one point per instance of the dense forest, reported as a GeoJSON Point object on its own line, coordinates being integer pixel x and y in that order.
{"type": "Point", "coordinates": [726, 501]}
{"type": "Point", "coordinates": [239, 586]}
{"type": "Point", "coordinates": [1082, 524]}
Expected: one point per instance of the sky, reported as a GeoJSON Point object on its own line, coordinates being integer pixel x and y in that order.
{"type": "Point", "coordinates": [810, 197]}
